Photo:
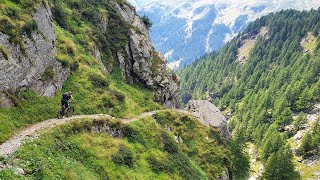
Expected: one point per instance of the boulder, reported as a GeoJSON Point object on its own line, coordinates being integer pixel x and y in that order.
{"type": "Point", "coordinates": [298, 136]}
{"type": "Point", "coordinates": [5, 102]}
{"type": "Point", "coordinates": [209, 114]}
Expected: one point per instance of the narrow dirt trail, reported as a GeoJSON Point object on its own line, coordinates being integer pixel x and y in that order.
{"type": "Point", "coordinates": [33, 131]}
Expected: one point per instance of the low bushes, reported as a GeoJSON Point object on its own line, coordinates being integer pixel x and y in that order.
{"type": "Point", "coordinates": [98, 80]}
{"type": "Point", "coordinates": [48, 74]}
{"type": "Point", "coordinates": [30, 27]}
{"type": "Point", "coordinates": [169, 144]}
{"type": "Point", "coordinates": [160, 165]}
{"type": "Point", "coordinates": [123, 157]}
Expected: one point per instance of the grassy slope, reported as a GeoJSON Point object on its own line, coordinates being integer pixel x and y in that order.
{"type": "Point", "coordinates": [120, 100]}
{"type": "Point", "coordinates": [94, 91]}
{"type": "Point", "coordinates": [62, 153]}
{"type": "Point", "coordinates": [310, 44]}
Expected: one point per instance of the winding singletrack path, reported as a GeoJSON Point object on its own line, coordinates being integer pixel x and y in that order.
{"type": "Point", "coordinates": [11, 145]}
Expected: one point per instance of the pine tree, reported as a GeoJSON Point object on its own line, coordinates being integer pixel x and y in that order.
{"type": "Point", "coordinates": [299, 121]}
{"type": "Point", "coordinates": [285, 118]}
{"type": "Point", "coordinates": [271, 145]}
{"type": "Point", "coordinates": [316, 138]}
{"type": "Point", "coordinates": [304, 100]}
{"type": "Point", "coordinates": [280, 166]}
{"type": "Point", "coordinates": [306, 145]}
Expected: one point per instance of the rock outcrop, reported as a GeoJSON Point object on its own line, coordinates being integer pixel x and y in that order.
{"type": "Point", "coordinates": [35, 68]}
{"type": "Point", "coordinates": [209, 114]}
{"type": "Point", "coordinates": [142, 63]}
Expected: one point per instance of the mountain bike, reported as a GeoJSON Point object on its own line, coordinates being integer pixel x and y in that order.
{"type": "Point", "coordinates": [68, 113]}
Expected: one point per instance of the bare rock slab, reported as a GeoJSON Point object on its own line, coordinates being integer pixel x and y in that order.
{"type": "Point", "coordinates": [209, 114]}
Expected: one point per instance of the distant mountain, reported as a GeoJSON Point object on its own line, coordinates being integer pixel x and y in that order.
{"type": "Point", "coordinates": [186, 29]}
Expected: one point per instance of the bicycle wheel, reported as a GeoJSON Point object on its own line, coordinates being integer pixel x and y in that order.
{"type": "Point", "coordinates": [60, 114]}
{"type": "Point", "coordinates": [70, 112]}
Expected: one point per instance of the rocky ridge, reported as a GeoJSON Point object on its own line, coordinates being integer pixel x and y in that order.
{"type": "Point", "coordinates": [38, 69]}
{"type": "Point", "coordinates": [142, 63]}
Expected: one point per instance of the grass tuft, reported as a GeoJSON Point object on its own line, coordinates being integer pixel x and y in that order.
{"type": "Point", "coordinates": [5, 52]}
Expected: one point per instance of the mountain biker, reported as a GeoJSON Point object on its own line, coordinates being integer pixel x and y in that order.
{"type": "Point", "coordinates": [65, 104]}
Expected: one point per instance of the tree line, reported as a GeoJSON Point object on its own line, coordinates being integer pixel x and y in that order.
{"type": "Point", "coordinates": [279, 78]}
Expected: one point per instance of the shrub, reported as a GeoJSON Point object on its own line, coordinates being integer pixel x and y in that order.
{"type": "Point", "coordinates": [123, 157]}
{"type": "Point", "coordinates": [8, 174]}
{"type": "Point", "coordinates": [30, 27]}
{"type": "Point", "coordinates": [156, 63]}
{"type": "Point", "coordinates": [163, 117]}
{"type": "Point", "coordinates": [66, 61]}
{"type": "Point", "coordinates": [119, 96]}
{"type": "Point", "coordinates": [60, 16]}
{"type": "Point", "coordinates": [48, 74]}
{"type": "Point", "coordinates": [186, 168]}
{"type": "Point", "coordinates": [108, 103]}
{"type": "Point", "coordinates": [16, 1]}
{"type": "Point", "coordinates": [160, 165]}
{"type": "Point", "coordinates": [8, 27]}
{"type": "Point", "coordinates": [74, 66]}
{"type": "Point", "coordinates": [169, 144]}
{"type": "Point", "coordinates": [132, 134]}
{"type": "Point", "coordinates": [146, 21]}
{"type": "Point", "coordinates": [98, 80]}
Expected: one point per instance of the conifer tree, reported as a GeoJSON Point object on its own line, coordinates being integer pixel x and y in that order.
{"type": "Point", "coordinates": [299, 121]}
{"type": "Point", "coordinates": [285, 118]}
{"type": "Point", "coordinates": [304, 100]}
{"type": "Point", "coordinates": [280, 166]}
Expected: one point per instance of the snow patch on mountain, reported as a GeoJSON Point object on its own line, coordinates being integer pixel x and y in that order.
{"type": "Point", "coordinates": [229, 37]}
{"type": "Point", "coordinates": [174, 64]}
{"type": "Point", "coordinates": [194, 27]}
{"type": "Point", "coordinates": [229, 10]}
{"type": "Point", "coordinates": [168, 54]}
{"type": "Point", "coordinates": [208, 47]}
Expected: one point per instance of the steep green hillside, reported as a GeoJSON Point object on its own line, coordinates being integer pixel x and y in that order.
{"type": "Point", "coordinates": [262, 88]}
{"type": "Point", "coordinates": [146, 149]}
{"type": "Point", "coordinates": [95, 91]}
{"type": "Point", "coordinates": [98, 46]}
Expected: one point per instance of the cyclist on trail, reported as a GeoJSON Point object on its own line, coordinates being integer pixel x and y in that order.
{"type": "Point", "coordinates": [66, 97]}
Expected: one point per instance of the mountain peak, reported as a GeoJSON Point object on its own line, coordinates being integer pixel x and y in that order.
{"type": "Point", "coordinates": [187, 29]}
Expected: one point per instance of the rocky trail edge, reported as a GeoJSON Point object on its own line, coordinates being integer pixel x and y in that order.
{"type": "Point", "coordinates": [11, 145]}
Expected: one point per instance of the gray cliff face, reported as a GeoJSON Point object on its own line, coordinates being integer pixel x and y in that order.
{"type": "Point", "coordinates": [26, 70]}
{"type": "Point", "coordinates": [142, 63]}
{"type": "Point", "coordinates": [209, 114]}
{"type": "Point", "coordinates": [36, 68]}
